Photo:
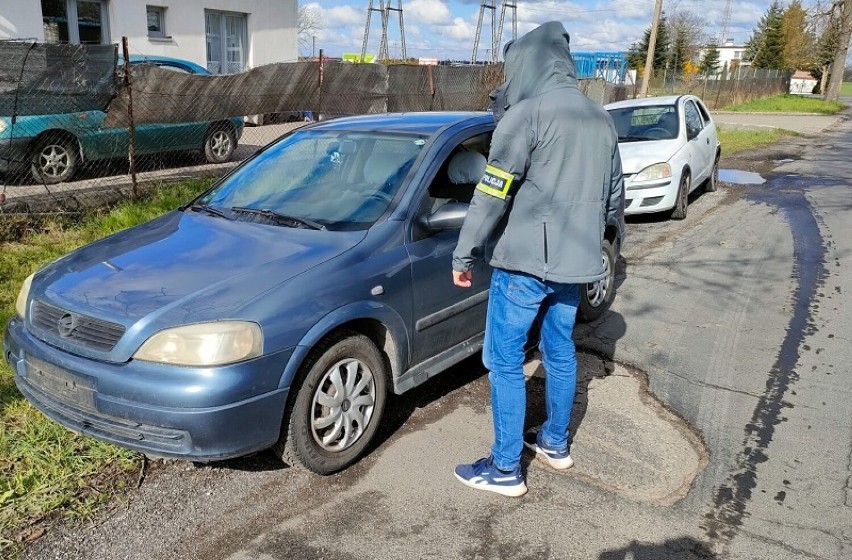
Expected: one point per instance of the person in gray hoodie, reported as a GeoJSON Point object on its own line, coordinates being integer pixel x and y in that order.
{"type": "Point", "coordinates": [552, 182]}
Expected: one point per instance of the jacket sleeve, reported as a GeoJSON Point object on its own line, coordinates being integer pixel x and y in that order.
{"type": "Point", "coordinates": [508, 160]}
{"type": "Point", "coordinates": [615, 202]}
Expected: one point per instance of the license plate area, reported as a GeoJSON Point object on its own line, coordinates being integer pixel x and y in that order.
{"type": "Point", "coordinates": [60, 384]}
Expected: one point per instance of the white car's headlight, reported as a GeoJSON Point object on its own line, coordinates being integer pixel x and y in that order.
{"type": "Point", "coordinates": [204, 344]}
{"type": "Point", "coordinates": [654, 172]}
{"type": "Point", "coordinates": [23, 295]}
{"type": "Point", "coordinates": [3, 125]}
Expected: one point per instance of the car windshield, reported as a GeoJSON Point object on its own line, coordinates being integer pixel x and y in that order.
{"type": "Point", "coordinates": [637, 124]}
{"type": "Point", "coordinates": [327, 179]}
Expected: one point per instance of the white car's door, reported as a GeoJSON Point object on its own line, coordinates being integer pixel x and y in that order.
{"type": "Point", "coordinates": [698, 140]}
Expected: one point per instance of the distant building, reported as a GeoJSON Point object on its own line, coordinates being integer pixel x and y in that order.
{"type": "Point", "coordinates": [248, 33]}
{"type": "Point", "coordinates": [802, 83]}
{"type": "Point", "coordinates": [731, 56]}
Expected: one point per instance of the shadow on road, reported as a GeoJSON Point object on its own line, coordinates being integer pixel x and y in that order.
{"type": "Point", "coordinates": [682, 548]}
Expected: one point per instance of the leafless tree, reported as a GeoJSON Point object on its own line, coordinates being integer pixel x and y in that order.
{"type": "Point", "coordinates": [310, 21]}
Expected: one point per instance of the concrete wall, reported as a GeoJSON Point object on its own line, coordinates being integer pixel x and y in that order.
{"type": "Point", "coordinates": [272, 26]}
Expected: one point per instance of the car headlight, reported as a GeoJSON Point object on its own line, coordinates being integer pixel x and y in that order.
{"type": "Point", "coordinates": [654, 172]}
{"type": "Point", "coordinates": [3, 125]}
{"type": "Point", "coordinates": [23, 295]}
{"type": "Point", "coordinates": [204, 344]}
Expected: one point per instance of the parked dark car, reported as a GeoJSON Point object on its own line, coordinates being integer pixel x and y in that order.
{"type": "Point", "coordinates": [275, 310]}
{"type": "Point", "coordinates": [51, 148]}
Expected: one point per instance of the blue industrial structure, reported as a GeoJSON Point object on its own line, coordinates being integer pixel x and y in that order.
{"type": "Point", "coordinates": [611, 66]}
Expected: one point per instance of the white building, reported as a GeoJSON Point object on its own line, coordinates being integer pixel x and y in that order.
{"type": "Point", "coordinates": [226, 36]}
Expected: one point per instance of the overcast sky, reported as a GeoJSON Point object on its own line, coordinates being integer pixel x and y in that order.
{"type": "Point", "coordinates": [446, 28]}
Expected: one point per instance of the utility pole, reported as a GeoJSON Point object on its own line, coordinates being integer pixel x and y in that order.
{"type": "Point", "coordinates": [514, 7]}
{"type": "Point", "coordinates": [652, 43]}
{"type": "Point", "coordinates": [484, 5]}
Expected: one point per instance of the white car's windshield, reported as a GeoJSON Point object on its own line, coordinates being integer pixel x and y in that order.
{"type": "Point", "coordinates": [331, 179]}
{"type": "Point", "coordinates": [637, 124]}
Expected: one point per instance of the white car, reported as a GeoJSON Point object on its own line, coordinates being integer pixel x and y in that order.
{"type": "Point", "coordinates": [669, 147]}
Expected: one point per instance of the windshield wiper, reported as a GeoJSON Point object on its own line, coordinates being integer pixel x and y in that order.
{"type": "Point", "coordinates": [209, 209]}
{"type": "Point", "coordinates": [632, 138]}
{"type": "Point", "coordinates": [277, 217]}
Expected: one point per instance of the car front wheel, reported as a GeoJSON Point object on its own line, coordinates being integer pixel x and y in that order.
{"type": "Point", "coordinates": [596, 297]}
{"type": "Point", "coordinates": [54, 160]}
{"type": "Point", "coordinates": [335, 406]}
{"type": "Point", "coordinates": [219, 145]}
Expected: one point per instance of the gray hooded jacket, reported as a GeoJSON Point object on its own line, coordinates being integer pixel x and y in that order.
{"type": "Point", "coordinates": [554, 172]}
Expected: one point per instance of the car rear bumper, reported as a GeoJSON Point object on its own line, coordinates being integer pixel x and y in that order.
{"type": "Point", "coordinates": [65, 389]}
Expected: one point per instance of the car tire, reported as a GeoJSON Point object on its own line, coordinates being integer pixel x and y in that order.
{"type": "Point", "coordinates": [712, 182]}
{"type": "Point", "coordinates": [596, 297]}
{"type": "Point", "coordinates": [219, 144]}
{"type": "Point", "coordinates": [54, 159]}
{"type": "Point", "coordinates": [679, 210]}
{"type": "Point", "coordinates": [321, 415]}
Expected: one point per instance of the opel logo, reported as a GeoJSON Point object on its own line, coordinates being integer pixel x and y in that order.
{"type": "Point", "coordinates": [66, 325]}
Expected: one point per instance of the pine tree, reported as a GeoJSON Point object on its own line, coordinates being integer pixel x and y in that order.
{"type": "Point", "coordinates": [710, 61]}
{"type": "Point", "coordinates": [639, 51]}
{"type": "Point", "coordinates": [679, 52]}
{"type": "Point", "coordinates": [765, 48]}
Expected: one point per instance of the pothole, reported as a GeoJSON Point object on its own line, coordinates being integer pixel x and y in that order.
{"type": "Point", "coordinates": [738, 177]}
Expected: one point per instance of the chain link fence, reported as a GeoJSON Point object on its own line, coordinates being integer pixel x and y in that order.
{"type": "Point", "coordinates": [81, 128]}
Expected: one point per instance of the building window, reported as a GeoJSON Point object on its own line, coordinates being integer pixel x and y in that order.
{"type": "Point", "coordinates": [227, 41]}
{"type": "Point", "coordinates": [738, 54]}
{"type": "Point", "coordinates": [75, 21]}
{"type": "Point", "coordinates": [156, 21]}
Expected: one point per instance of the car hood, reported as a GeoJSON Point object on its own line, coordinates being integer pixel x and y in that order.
{"type": "Point", "coordinates": [636, 156]}
{"type": "Point", "coordinates": [184, 268]}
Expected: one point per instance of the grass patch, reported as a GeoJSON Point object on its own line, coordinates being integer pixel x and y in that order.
{"type": "Point", "coordinates": [846, 89]}
{"type": "Point", "coordinates": [788, 104]}
{"type": "Point", "coordinates": [46, 471]}
{"type": "Point", "coordinates": [735, 140]}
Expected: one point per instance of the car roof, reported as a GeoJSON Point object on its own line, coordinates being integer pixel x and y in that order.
{"type": "Point", "coordinates": [646, 102]}
{"type": "Point", "coordinates": [425, 123]}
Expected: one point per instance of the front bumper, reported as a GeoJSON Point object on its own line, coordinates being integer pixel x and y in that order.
{"type": "Point", "coordinates": [71, 390]}
{"type": "Point", "coordinates": [656, 196]}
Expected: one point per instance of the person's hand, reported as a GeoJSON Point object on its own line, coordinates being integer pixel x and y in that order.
{"type": "Point", "coordinates": [463, 279]}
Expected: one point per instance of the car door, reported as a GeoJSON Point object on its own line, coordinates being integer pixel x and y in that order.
{"type": "Point", "coordinates": [155, 137]}
{"type": "Point", "coordinates": [443, 314]}
{"type": "Point", "coordinates": [698, 141]}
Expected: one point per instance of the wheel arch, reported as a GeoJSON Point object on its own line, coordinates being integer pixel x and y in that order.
{"type": "Point", "coordinates": [58, 133]}
{"type": "Point", "coordinates": [382, 325]}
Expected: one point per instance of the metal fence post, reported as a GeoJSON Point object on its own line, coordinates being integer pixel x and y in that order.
{"type": "Point", "coordinates": [131, 125]}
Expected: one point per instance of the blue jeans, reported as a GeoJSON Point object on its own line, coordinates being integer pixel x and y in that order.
{"type": "Point", "coordinates": [513, 305]}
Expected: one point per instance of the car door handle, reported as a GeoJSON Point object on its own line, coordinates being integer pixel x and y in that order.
{"type": "Point", "coordinates": [708, 141]}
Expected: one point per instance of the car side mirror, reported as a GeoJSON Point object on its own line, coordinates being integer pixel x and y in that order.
{"type": "Point", "coordinates": [447, 217]}
{"type": "Point", "coordinates": [691, 133]}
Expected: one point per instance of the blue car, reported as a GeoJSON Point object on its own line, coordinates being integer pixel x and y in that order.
{"type": "Point", "coordinates": [50, 148]}
{"type": "Point", "coordinates": [279, 308]}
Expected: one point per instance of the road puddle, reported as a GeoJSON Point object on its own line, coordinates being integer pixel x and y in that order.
{"type": "Point", "coordinates": [737, 177]}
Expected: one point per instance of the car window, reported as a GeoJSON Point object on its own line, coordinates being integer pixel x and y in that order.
{"type": "Point", "coordinates": [642, 123]}
{"type": "Point", "coordinates": [705, 114]}
{"type": "Point", "coordinates": [342, 180]}
{"type": "Point", "coordinates": [460, 172]}
{"type": "Point", "coordinates": [693, 118]}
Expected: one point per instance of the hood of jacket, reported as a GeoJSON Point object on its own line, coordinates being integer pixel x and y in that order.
{"type": "Point", "coordinates": [538, 62]}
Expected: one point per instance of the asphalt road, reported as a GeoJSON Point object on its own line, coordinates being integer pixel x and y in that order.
{"type": "Point", "coordinates": [712, 418]}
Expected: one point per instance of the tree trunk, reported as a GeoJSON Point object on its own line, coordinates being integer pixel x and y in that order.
{"type": "Point", "coordinates": [839, 65]}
